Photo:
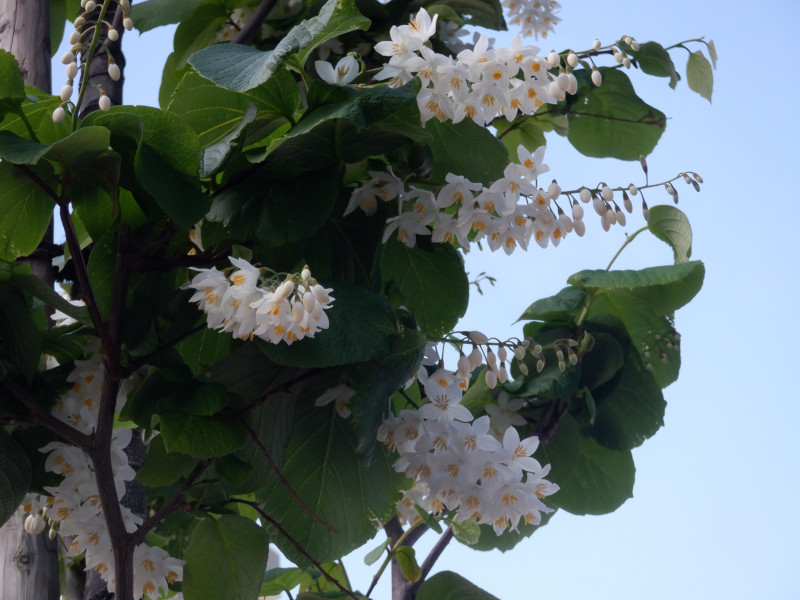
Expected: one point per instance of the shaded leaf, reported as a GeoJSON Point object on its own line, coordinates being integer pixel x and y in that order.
{"type": "Point", "coordinates": [20, 341]}
{"type": "Point", "coordinates": [15, 475]}
{"type": "Point", "coordinates": [653, 59]}
{"type": "Point", "coordinates": [25, 210]}
{"type": "Point", "coordinates": [199, 436]}
{"type": "Point", "coordinates": [699, 75]}
{"type": "Point", "coordinates": [150, 14]}
{"type": "Point", "coordinates": [451, 586]}
{"type": "Point", "coordinates": [566, 305]}
{"type": "Point", "coordinates": [671, 226]}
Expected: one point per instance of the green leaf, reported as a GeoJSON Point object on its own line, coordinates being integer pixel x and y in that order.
{"type": "Point", "coordinates": [20, 151]}
{"type": "Point", "coordinates": [323, 469]}
{"type": "Point", "coordinates": [482, 13]}
{"type": "Point", "coordinates": [199, 436]}
{"type": "Point", "coordinates": [197, 31]}
{"type": "Point", "coordinates": [25, 210]}
{"type": "Point", "coordinates": [526, 131]}
{"type": "Point", "coordinates": [654, 60]}
{"type": "Point", "coordinates": [101, 268]}
{"type": "Point", "coordinates": [603, 361]}
{"type": "Point", "coordinates": [699, 75]}
{"type": "Point", "coordinates": [671, 226]}
{"type": "Point", "coordinates": [281, 580]}
{"type": "Point", "coordinates": [39, 114]}
{"type": "Point", "coordinates": [665, 288]}
{"type": "Point", "coordinates": [601, 482]}
{"type": "Point", "coordinates": [651, 334]}
{"type": "Point", "coordinates": [451, 586]}
{"type": "Point", "coordinates": [162, 468]}
{"type": "Point", "coordinates": [566, 305]}
{"type": "Point", "coordinates": [241, 68]}
{"type": "Point", "coordinates": [375, 554]}
{"type": "Point", "coordinates": [278, 211]}
{"type": "Point", "coordinates": [12, 87]}
{"type": "Point", "coordinates": [20, 341]}
{"type": "Point", "coordinates": [204, 348]}
{"type": "Point", "coordinates": [15, 475]}
{"type": "Point", "coordinates": [630, 409]}
{"type": "Point", "coordinates": [466, 532]}
{"type": "Point", "coordinates": [226, 558]}
{"type": "Point", "coordinates": [150, 14]}
{"type": "Point", "coordinates": [455, 146]}
{"type": "Point", "coordinates": [362, 327]}
{"type": "Point", "coordinates": [611, 120]}
{"type": "Point", "coordinates": [214, 112]}
{"type": "Point", "coordinates": [424, 278]}
{"type": "Point", "coordinates": [712, 52]}
{"type": "Point", "coordinates": [36, 287]}
{"type": "Point", "coordinates": [370, 403]}
{"type": "Point", "coordinates": [406, 558]}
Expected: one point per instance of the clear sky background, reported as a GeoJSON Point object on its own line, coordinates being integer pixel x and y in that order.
{"type": "Point", "coordinates": [714, 512]}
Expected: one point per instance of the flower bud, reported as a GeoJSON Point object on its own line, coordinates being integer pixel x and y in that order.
{"type": "Point", "coordinates": [572, 59]}
{"type": "Point", "coordinates": [523, 368]}
{"type": "Point", "coordinates": [611, 216]}
{"type": "Point", "coordinates": [491, 359]}
{"type": "Point", "coordinates": [305, 274]}
{"type": "Point", "coordinates": [607, 193]}
{"type": "Point", "coordinates": [597, 77]}
{"type": "Point", "coordinates": [645, 211]}
{"type": "Point", "coordinates": [464, 365]}
{"type": "Point", "coordinates": [113, 71]}
{"type": "Point", "coordinates": [519, 351]}
{"type": "Point", "coordinates": [621, 219]}
{"type": "Point", "coordinates": [553, 59]}
{"type": "Point", "coordinates": [599, 206]}
{"type": "Point", "coordinates": [596, 44]}
{"type": "Point", "coordinates": [633, 189]}
{"type": "Point", "coordinates": [572, 89]}
{"type": "Point", "coordinates": [626, 62]}
{"type": "Point", "coordinates": [577, 211]}
{"type": "Point", "coordinates": [626, 202]}
{"type": "Point", "coordinates": [502, 353]}
{"type": "Point", "coordinates": [127, 23]}
{"type": "Point", "coordinates": [66, 92]}
{"type": "Point", "coordinates": [491, 378]}
{"type": "Point", "coordinates": [554, 191]}
{"type": "Point", "coordinates": [90, 5]}
{"type": "Point", "coordinates": [34, 524]}
{"type": "Point", "coordinates": [579, 227]}
{"type": "Point", "coordinates": [585, 195]}
{"type": "Point", "coordinates": [478, 337]}
{"type": "Point", "coordinates": [643, 162]}
{"type": "Point", "coordinates": [113, 35]}
{"type": "Point", "coordinates": [618, 56]}
{"type": "Point", "coordinates": [68, 58]}
{"type": "Point", "coordinates": [284, 290]}
{"type": "Point", "coordinates": [74, 37]}
{"type": "Point", "coordinates": [475, 358]}
{"type": "Point", "coordinates": [72, 70]}
{"type": "Point", "coordinates": [540, 365]}
{"type": "Point", "coordinates": [502, 373]}
{"type": "Point", "coordinates": [563, 82]}
{"type": "Point", "coordinates": [59, 114]}
{"type": "Point", "coordinates": [104, 102]}
{"type": "Point", "coordinates": [79, 22]}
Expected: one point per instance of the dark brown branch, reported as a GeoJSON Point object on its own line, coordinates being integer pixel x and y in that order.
{"type": "Point", "coordinates": [249, 31]}
{"type": "Point", "coordinates": [297, 545]}
{"type": "Point", "coordinates": [430, 560]}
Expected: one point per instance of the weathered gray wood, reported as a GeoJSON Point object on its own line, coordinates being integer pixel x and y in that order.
{"type": "Point", "coordinates": [27, 563]}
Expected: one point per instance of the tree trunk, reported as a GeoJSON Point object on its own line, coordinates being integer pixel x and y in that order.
{"type": "Point", "coordinates": [28, 564]}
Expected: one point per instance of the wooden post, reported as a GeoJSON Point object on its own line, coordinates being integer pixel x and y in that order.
{"type": "Point", "coordinates": [28, 563]}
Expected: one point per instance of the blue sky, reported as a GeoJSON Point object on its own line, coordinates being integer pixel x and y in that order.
{"type": "Point", "coordinates": [714, 509]}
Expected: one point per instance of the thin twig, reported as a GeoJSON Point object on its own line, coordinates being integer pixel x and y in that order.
{"type": "Point", "coordinates": [151, 523]}
{"type": "Point", "coordinates": [429, 561]}
{"type": "Point", "coordinates": [296, 544]}
{"type": "Point", "coordinates": [248, 32]}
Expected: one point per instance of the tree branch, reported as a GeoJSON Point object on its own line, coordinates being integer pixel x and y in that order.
{"type": "Point", "coordinates": [248, 32]}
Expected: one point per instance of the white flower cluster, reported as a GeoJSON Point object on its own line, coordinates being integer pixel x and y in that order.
{"type": "Point", "coordinates": [79, 43]}
{"type": "Point", "coordinates": [534, 17]}
{"type": "Point", "coordinates": [236, 303]}
{"type": "Point", "coordinates": [480, 468]}
{"type": "Point", "coordinates": [73, 507]}
{"type": "Point", "coordinates": [507, 214]}
{"type": "Point", "coordinates": [480, 84]}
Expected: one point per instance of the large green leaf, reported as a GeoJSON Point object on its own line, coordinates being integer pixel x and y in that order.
{"type": "Point", "coordinates": [199, 436]}
{"type": "Point", "coordinates": [653, 59]}
{"type": "Point", "coordinates": [362, 327]}
{"type": "Point", "coordinates": [699, 75]}
{"type": "Point", "coordinates": [19, 337]}
{"type": "Point", "coordinates": [39, 114]}
{"type": "Point", "coordinates": [601, 482]}
{"type": "Point", "coordinates": [25, 210]}
{"type": "Point", "coordinates": [12, 87]}
{"type": "Point", "coordinates": [665, 288]}
{"type": "Point", "coordinates": [611, 120]}
{"type": "Point", "coordinates": [19, 150]}
{"type": "Point", "coordinates": [34, 286]}
{"type": "Point", "coordinates": [566, 305]}
{"type": "Point", "coordinates": [226, 558]}
{"type": "Point", "coordinates": [651, 334]}
{"type": "Point", "coordinates": [451, 586]}
{"type": "Point", "coordinates": [150, 14]}
{"type": "Point", "coordinates": [425, 278]}
{"type": "Point", "coordinates": [455, 146]}
{"type": "Point", "coordinates": [323, 469]}
{"type": "Point", "coordinates": [213, 112]}
{"type": "Point", "coordinates": [630, 409]}
{"type": "Point", "coordinates": [15, 475]}
{"type": "Point", "coordinates": [162, 468]}
{"type": "Point", "coordinates": [241, 68]}
{"type": "Point", "coordinates": [482, 13]}
{"type": "Point", "coordinates": [671, 226]}
{"type": "Point", "coordinates": [278, 211]}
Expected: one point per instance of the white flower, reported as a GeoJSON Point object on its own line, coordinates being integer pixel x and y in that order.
{"type": "Point", "coordinates": [346, 70]}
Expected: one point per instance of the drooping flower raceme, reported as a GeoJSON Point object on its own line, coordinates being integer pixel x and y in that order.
{"type": "Point", "coordinates": [234, 301]}
{"type": "Point", "coordinates": [480, 83]}
{"type": "Point", "coordinates": [458, 465]}
{"type": "Point", "coordinates": [73, 507]}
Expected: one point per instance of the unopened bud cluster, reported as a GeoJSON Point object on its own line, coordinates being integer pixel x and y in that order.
{"type": "Point", "coordinates": [287, 310]}
{"type": "Point", "coordinates": [81, 39]}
